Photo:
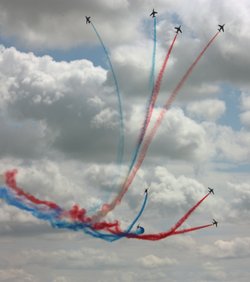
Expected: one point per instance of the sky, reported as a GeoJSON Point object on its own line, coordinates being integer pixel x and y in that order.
{"type": "Point", "coordinates": [60, 128]}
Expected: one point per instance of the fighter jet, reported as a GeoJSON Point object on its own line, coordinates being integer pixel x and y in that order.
{"type": "Point", "coordinates": [146, 190]}
{"type": "Point", "coordinates": [215, 222]}
{"type": "Point", "coordinates": [221, 27]}
{"type": "Point", "coordinates": [153, 13]}
{"type": "Point", "coordinates": [87, 20]}
{"type": "Point", "coordinates": [178, 29]}
{"type": "Point", "coordinates": [139, 229]}
{"type": "Point", "coordinates": [210, 190]}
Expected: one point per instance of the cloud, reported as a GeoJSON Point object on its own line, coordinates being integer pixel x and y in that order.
{"type": "Point", "coordinates": [84, 258]}
{"type": "Point", "coordinates": [13, 275]}
{"type": "Point", "coordinates": [59, 125]}
{"type": "Point", "coordinates": [62, 25]}
{"type": "Point", "coordinates": [56, 98]}
{"type": "Point", "coordinates": [235, 248]}
{"type": "Point", "coordinates": [245, 107]}
{"type": "Point", "coordinates": [214, 272]}
{"type": "Point", "coordinates": [229, 145]}
{"type": "Point", "coordinates": [60, 279]}
{"type": "Point", "coordinates": [152, 261]}
{"type": "Point", "coordinates": [173, 194]}
{"type": "Point", "coordinates": [245, 101]}
{"type": "Point", "coordinates": [178, 137]}
{"type": "Point", "coordinates": [207, 109]}
{"type": "Point", "coordinates": [245, 119]}
{"type": "Point", "coordinates": [241, 202]}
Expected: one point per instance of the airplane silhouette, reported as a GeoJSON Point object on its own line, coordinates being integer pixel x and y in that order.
{"type": "Point", "coordinates": [215, 222]}
{"type": "Point", "coordinates": [87, 20]}
{"type": "Point", "coordinates": [153, 13]}
{"type": "Point", "coordinates": [140, 229]}
{"type": "Point", "coordinates": [178, 29]}
{"type": "Point", "coordinates": [221, 27]}
{"type": "Point", "coordinates": [210, 190]}
{"type": "Point", "coordinates": [146, 190]}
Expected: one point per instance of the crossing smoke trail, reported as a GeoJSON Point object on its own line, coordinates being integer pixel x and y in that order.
{"type": "Point", "coordinates": [11, 182]}
{"type": "Point", "coordinates": [120, 150]}
{"type": "Point", "coordinates": [162, 235]}
{"type": "Point", "coordinates": [192, 229]}
{"type": "Point", "coordinates": [187, 215]}
{"type": "Point", "coordinates": [173, 230]}
{"type": "Point", "coordinates": [150, 108]}
{"type": "Point", "coordinates": [156, 236]}
{"type": "Point", "coordinates": [51, 212]}
{"type": "Point", "coordinates": [106, 208]}
{"type": "Point", "coordinates": [76, 220]}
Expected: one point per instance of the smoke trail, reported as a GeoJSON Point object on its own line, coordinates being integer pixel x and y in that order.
{"type": "Point", "coordinates": [57, 220]}
{"type": "Point", "coordinates": [152, 73]}
{"type": "Point", "coordinates": [120, 150]}
{"type": "Point", "coordinates": [13, 200]}
{"type": "Point", "coordinates": [75, 213]}
{"type": "Point", "coordinates": [11, 182]}
{"type": "Point", "coordinates": [150, 107]}
{"type": "Point", "coordinates": [58, 217]}
{"type": "Point", "coordinates": [191, 229]}
{"type": "Point", "coordinates": [118, 233]}
{"type": "Point", "coordinates": [136, 218]}
{"type": "Point", "coordinates": [108, 207]}
{"type": "Point", "coordinates": [173, 230]}
{"type": "Point", "coordinates": [186, 215]}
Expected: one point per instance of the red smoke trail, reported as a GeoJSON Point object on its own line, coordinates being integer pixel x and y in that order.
{"type": "Point", "coordinates": [186, 215]}
{"type": "Point", "coordinates": [191, 229]}
{"type": "Point", "coordinates": [10, 180]}
{"type": "Point", "coordinates": [108, 207]}
{"type": "Point", "coordinates": [75, 213]}
{"type": "Point", "coordinates": [163, 235]}
{"type": "Point", "coordinates": [156, 91]}
{"type": "Point", "coordinates": [150, 107]}
{"type": "Point", "coordinates": [173, 230]}
{"type": "Point", "coordinates": [80, 221]}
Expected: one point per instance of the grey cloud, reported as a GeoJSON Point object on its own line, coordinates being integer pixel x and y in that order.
{"type": "Point", "coordinates": [152, 261]}
{"type": "Point", "coordinates": [15, 275]}
{"type": "Point", "coordinates": [61, 24]}
{"type": "Point", "coordinates": [235, 248]}
{"type": "Point", "coordinates": [23, 140]}
{"type": "Point", "coordinates": [83, 258]}
{"type": "Point", "coordinates": [58, 94]}
{"type": "Point", "coordinates": [229, 145]}
{"type": "Point", "coordinates": [207, 109]}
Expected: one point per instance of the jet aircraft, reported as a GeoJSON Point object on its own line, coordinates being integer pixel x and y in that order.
{"type": "Point", "coordinates": [221, 27]}
{"type": "Point", "coordinates": [139, 229]}
{"type": "Point", "coordinates": [178, 29]}
{"type": "Point", "coordinates": [215, 222]}
{"type": "Point", "coordinates": [153, 13]}
{"type": "Point", "coordinates": [146, 190]}
{"type": "Point", "coordinates": [210, 190]}
{"type": "Point", "coordinates": [87, 20]}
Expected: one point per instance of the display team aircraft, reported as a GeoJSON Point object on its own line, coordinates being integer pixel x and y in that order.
{"type": "Point", "coordinates": [153, 13]}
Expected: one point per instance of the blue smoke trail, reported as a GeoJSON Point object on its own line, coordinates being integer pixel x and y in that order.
{"type": "Point", "coordinates": [86, 228]}
{"type": "Point", "coordinates": [152, 83]}
{"type": "Point", "coordinates": [121, 138]}
{"type": "Point", "coordinates": [12, 200]}
{"type": "Point", "coordinates": [152, 73]}
{"type": "Point", "coordinates": [136, 218]}
{"type": "Point", "coordinates": [53, 216]}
